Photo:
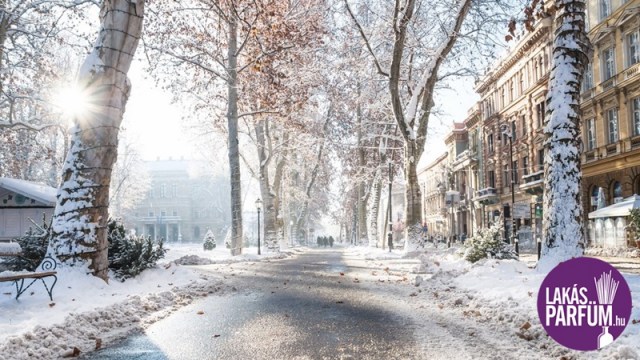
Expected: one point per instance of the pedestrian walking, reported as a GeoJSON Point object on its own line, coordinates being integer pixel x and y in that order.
{"type": "Point", "coordinates": [390, 240]}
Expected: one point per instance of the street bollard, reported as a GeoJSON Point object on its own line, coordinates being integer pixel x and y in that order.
{"type": "Point", "coordinates": [517, 248]}
{"type": "Point", "coordinates": [539, 248]}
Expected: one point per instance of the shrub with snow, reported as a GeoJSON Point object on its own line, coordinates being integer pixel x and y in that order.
{"type": "Point", "coordinates": [488, 243]}
{"type": "Point", "coordinates": [130, 255]}
{"type": "Point", "coordinates": [209, 242]}
{"type": "Point", "coordinates": [34, 247]}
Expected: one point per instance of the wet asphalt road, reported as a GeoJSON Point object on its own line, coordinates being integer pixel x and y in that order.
{"type": "Point", "coordinates": [297, 308]}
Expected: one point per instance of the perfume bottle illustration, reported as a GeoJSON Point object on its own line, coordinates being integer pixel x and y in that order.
{"type": "Point", "coordinates": [605, 338]}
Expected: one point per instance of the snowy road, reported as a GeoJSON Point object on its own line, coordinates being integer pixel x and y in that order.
{"type": "Point", "coordinates": [323, 304]}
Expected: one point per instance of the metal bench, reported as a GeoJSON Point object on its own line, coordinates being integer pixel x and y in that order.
{"type": "Point", "coordinates": [24, 280]}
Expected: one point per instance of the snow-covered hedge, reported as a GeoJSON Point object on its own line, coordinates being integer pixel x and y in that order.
{"type": "Point", "coordinates": [33, 247]}
{"type": "Point", "coordinates": [488, 243]}
{"type": "Point", "coordinates": [130, 255]}
{"type": "Point", "coordinates": [209, 242]}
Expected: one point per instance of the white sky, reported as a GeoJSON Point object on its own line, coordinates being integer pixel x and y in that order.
{"type": "Point", "coordinates": [153, 121]}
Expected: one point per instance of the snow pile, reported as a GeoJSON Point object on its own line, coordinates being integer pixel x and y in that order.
{"type": "Point", "coordinates": [10, 248]}
{"type": "Point", "coordinates": [503, 294]}
{"type": "Point", "coordinates": [87, 313]}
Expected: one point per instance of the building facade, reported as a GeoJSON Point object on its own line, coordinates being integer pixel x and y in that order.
{"type": "Point", "coordinates": [182, 203]}
{"type": "Point", "coordinates": [513, 109]}
{"type": "Point", "coordinates": [611, 107]}
{"type": "Point", "coordinates": [434, 182]}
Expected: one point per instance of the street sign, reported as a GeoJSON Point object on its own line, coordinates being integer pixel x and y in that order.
{"type": "Point", "coordinates": [521, 211]}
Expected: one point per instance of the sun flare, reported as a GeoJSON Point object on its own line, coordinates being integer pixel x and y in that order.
{"type": "Point", "coordinates": [72, 101]}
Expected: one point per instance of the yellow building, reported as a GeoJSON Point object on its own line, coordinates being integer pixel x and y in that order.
{"type": "Point", "coordinates": [611, 104]}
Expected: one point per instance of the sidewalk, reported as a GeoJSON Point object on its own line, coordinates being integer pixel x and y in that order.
{"type": "Point", "coordinates": [623, 264]}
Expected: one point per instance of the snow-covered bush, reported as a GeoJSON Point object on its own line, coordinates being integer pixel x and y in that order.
{"type": "Point", "coordinates": [130, 255]}
{"type": "Point", "coordinates": [34, 247]}
{"type": "Point", "coordinates": [209, 242]}
{"type": "Point", "coordinates": [488, 243]}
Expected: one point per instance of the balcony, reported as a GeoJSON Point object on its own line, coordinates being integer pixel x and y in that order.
{"type": "Point", "coordinates": [533, 183]}
{"type": "Point", "coordinates": [632, 71]}
{"type": "Point", "coordinates": [587, 94]}
{"type": "Point", "coordinates": [487, 196]}
{"type": "Point", "coordinates": [608, 84]}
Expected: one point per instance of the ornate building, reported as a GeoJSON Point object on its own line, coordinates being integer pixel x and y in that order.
{"type": "Point", "coordinates": [611, 105]}
{"type": "Point", "coordinates": [512, 109]}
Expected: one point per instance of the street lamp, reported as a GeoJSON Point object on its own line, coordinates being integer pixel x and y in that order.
{"type": "Point", "coordinates": [259, 207]}
{"type": "Point", "coordinates": [504, 128]}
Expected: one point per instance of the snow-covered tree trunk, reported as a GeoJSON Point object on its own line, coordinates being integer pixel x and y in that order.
{"type": "Point", "coordinates": [80, 219]}
{"type": "Point", "coordinates": [362, 197]}
{"type": "Point", "coordinates": [563, 232]}
{"type": "Point", "coordinates": [375, 210]}
{"type": "Point", "coordinates": [232, 126]}
{"type": "Point", "coordinates": [268, 195]}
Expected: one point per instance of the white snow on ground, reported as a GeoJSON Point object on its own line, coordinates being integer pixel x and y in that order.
{"type": "Point", "coordinates": [502, 294]}
{"type": "Point", "coordinates": [493, 304]}
{"type": "Point", "coordinates": [87, 313]}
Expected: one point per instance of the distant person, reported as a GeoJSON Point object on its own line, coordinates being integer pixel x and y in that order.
{"type": "Point", "coordinates": [390, 240]}
{"type": "Point", "coordinates": [331, 241]}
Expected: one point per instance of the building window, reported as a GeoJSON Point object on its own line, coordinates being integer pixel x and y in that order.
{"type": "Point", "coordinates": [175, 213]}
{"type": "Point", "coordinates": [506, 180]}
{"type": "Point", "coordinates": [523, 125]}
{"type": "Point", "coordinates": [525, 166]}
{"type": "Point", "coordinates": [591, 134]}
{"type": "Point", "coordinates": [540, 113]}
{"type": "Point", "coordinates": [490, 143]}
{"type": "Point", "coordinates": [514, 167]}
{"type": "Point", "coordinates": [492, 179]}
{"type": "Point", "coordinates": [163, 191]}
{"type": "Point", "coordinates": [174, 190]}
{"type": "Point", "coordinates": [617, 191]}
{"type": "Point", "coordinates": [612, 120]}
{"type": "Point", "coordinates": [540, 159]}
{"type": "Point", "coordinates": [163, 213]}
{"type": "Point", "coordinates": [608, 64]}
{"type": "Point", "coordinates": [636, 116]}
{"type": "Point", "coordinates": [605, 9]}
{"type": "Point", "coordinates": [633, 48]}
{"type": "Point", "coordinates": [587, 81]}
{"type": "Point", "coordinates": [151, 214]}
{"type": "Point", "coordinates": [511, 94]}
{"type": "Point", "coordinates": [521, 82]}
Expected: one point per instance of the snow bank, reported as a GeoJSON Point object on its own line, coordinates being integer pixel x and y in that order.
{"type": "Point", "coordinates": [88, 313]}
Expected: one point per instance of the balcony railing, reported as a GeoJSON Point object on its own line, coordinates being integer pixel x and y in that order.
{"type": "Point", "coordinates": [608, 84]}
{"type": "Point", "coordinates": [633, 70]}
{"type": "Point", "coordinates": [487, 196]}
{"type": "Point", "coordinates": [533, 183]}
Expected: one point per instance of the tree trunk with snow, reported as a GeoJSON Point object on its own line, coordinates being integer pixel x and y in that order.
{"type": "Point", "coordinates": [232, 126]}
{"type": "Point", "coordinates": [375, 210]}
{"type": "Point", "coordinates": [268, 195]}
{"type": "Point", "coordinates": [563, 231]}
{"type": "Point", "coordinates": [362, 196]}
{"type": "Point", "coordinates": [80, 219]}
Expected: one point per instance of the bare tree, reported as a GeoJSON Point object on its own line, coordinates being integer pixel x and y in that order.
{"type": "Point", "coordinates": [412, 108]}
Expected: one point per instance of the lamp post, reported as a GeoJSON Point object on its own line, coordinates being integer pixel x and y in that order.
{"type": "Point", "coordinates": [259, 207]}
{"type": "Point", "coordinates": [507, 133]}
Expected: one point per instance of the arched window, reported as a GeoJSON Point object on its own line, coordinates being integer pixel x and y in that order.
{"type": "Point", "coordinates": [617, 191]}
{"type": "Point", "coordinates": [594, 197]}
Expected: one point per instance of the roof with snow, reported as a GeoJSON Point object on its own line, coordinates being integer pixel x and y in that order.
{"type": "Point", "coordinates": [42, 193]}
{"type": "Point", "coordinates": [618, 209]}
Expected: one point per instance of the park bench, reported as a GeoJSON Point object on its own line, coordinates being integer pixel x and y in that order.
{"type": "Point", "coordinates": [24, 280]}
